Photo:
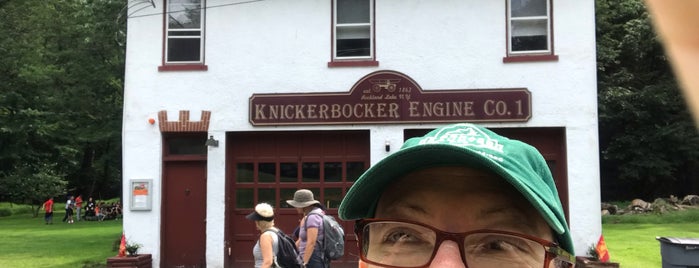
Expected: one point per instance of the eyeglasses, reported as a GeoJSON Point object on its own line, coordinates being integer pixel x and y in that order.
{"type": "Point", "coordinates": [409, 244]}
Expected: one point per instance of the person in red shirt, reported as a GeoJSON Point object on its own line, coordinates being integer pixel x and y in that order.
{"type": "Point", "coordinates": [48, 207]}
{"type": "Point", "coordinates": [79, 205]}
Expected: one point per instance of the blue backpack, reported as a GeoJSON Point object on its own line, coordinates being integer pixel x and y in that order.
{"type": "Point", "coordinates": [333, 243]}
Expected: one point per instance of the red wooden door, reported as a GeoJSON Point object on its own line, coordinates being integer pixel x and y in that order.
{"type": "Point", "coordinates": [184, 214]}
{"type": "Point", "coordinates": [271, 166]}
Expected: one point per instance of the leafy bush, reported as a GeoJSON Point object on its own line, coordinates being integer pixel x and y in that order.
{"type": "Point", "coordinates": [4, 212]}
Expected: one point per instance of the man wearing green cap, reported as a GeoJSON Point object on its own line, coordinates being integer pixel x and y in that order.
{"type": "Point", "coordinates": [460, 196]}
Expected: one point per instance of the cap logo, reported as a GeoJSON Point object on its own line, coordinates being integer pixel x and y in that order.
{"type": "Point", "coordinates": [467, 136]}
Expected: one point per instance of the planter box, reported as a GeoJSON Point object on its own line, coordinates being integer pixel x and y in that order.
{"type": "Point", "coordinates": [138, 261]}
{"type": "Point", "coordinates": [584, 262]}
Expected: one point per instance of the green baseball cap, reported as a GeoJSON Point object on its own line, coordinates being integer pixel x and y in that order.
{"type": "Point", "coordinates": [470, 145]}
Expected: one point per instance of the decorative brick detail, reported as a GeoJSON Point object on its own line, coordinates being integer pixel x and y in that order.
{"type": "Point", "coordinates": [184, 125]}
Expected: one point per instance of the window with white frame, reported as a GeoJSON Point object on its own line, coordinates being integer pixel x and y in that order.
{"type": "Point", "coordinates": [353, 25]}
{"type": "Point", "coordinates": [529, 27]}
{"type": "Point", "coordinates": [185, 31]}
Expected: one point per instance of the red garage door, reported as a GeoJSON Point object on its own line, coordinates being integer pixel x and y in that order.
{"type": "Point", "coordinates": [271, 166]}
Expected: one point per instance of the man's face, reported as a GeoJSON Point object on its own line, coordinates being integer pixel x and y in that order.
{"type": "Point", "coordinates": [456, 200]}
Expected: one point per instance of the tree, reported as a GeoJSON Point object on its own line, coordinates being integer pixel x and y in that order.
{"type": "Point", "coordinates": [60, 97]}
{"type": "Point", "coordinates": [648, 142]}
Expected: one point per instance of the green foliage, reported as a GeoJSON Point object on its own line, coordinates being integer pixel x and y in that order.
{"type": "Point", "coordinates": [648, 142]}
{"type": "Point", "coordinates": [132, 248]}
{"type": "Point", "coordinates": [60, 98]}
{"type": "Point", "coordinates": [4, 212]}
{"type": "Point", "coordinates": [592, 252]}
{"type": "Point", "coordinates": [8, 209]}
{"type": "Point", "coordinates": [688, 215]}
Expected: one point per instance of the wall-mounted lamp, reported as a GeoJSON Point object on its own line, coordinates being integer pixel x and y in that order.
{"type": "Point", "coordinates": [211, 142]}
{"type": "Point", "coordinates": [388, 146]}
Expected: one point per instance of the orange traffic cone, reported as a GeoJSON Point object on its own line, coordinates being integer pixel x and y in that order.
{"type": "Point", "coordinates": [602, 250]}
{"type": "Point", "coordinates": [122, 246]}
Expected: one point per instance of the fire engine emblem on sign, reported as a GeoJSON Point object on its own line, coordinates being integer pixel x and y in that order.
{"type": "Point", "coordinates": [387, 84]}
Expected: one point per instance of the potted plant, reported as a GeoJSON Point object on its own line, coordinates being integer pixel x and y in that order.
{"type": "Point", "coordinates": [131, 258]}
{"type": "Point", "coordinates": [132, 248]}
{"type": "Point", "coordinates": [592, 260]}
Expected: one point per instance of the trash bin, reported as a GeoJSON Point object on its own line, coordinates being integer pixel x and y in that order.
{"type": "Point", "coordinates": [679, 252]}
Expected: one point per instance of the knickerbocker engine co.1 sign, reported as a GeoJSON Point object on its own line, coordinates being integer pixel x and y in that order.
{"type": "Point", "coordinates": [391, 97]}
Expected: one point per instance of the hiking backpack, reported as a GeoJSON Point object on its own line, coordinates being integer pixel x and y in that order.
{"type": "Point", "coordinates": [287, 253]}
{"type": "Point", "coordinates": [333, 243]}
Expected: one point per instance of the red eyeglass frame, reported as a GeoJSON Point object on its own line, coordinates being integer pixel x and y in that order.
{"type": "Point", "coordinates": [553, 252]}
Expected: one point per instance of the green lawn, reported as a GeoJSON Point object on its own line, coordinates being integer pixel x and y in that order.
{"type": "Point", "coordinates": [631, 238]}
{"type": "Point", "coordinates": [634, 245]}
{"type": "Point", "coordinates": [26, 241]}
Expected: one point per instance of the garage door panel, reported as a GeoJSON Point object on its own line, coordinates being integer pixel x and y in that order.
{"type": "Point", "coordinates": [326, 162]}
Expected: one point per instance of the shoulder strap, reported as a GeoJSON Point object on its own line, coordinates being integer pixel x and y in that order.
{"type": "Point", "coordinates": [279, 237]}
{"type": "Point", "coordinates": [305, 223]}
{"type": "Point", "coordinates": [322, 243]}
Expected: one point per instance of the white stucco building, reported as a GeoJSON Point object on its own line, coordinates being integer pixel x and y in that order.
{"type": "Point", "coordinates": [309, 93]}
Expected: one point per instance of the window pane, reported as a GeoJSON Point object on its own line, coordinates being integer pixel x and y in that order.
{"type": "Point", "coordinates": [181, 146]}
{"type": "Point", "coordinates": [353, 47]}
{"type": "Point", "coordinates": [528, 8]}
{"type": "Point", "coordinates": [353, 11]}
{"type": "Point", "coordinates": [267, 196]}
{"type": "Point", "coordinates": [244, 198]}
{"type": "Point", "coordinates": [183, 49]}
{"type": "Point", "coordinates": [245, 172]}
{"type": "Point", "coordinates": [288, 172]}
{"type": "Point", "coordinates": [354, 170]}
{"type": "Point", "coordinates": [184, 33]}
{"type": "Point", "coordinates": [529, 35]}
{"type": "Point", "coordinates": [266, 172]}
{"type": "Point", "coordinates": [333, 196]}
{"type": "Point", "coordinates": [184, 14]}
{"type": "Point", "coordinates": [311, 172]}
{"type": "Point", "coordinates": [286, 194]}
{"type": "Point", "coordinates": [333, 171]}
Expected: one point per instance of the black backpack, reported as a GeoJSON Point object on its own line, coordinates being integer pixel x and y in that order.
{"type": "Point", "coordinates": [287, 253]}
{"type": "Point", "coordinates": [333, 243]}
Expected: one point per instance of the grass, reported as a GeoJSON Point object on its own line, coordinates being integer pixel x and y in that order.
{"type": "Point", "coordinates": [631, 238]}
{"type": "Point", "coordinates": [26, 241]}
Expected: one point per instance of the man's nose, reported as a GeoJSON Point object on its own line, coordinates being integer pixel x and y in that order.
{"type": "Point", "coordinates": [448, 256]}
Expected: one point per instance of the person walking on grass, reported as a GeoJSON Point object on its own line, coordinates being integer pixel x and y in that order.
{"type": "Point", "coordinates": [48, 208]}
{"type": "Point", "coordinates": [70, 203]}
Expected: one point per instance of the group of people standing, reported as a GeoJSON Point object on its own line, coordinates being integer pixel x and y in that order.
{"type": "Point", "coordinates": [309, 237]}
{"type": "Point", "coordinates": [74, 209]}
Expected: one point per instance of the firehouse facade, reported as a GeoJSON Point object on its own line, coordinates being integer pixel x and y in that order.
{"type": "Point", "coordinates": [230, 103]}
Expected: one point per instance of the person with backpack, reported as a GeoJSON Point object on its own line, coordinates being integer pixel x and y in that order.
{"type": "Point", "coordinates": [274, 248]}
{"type": "Point", "coordinates": [310, 229]}
{"type": "Point", "coordinates": [265, 249]}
